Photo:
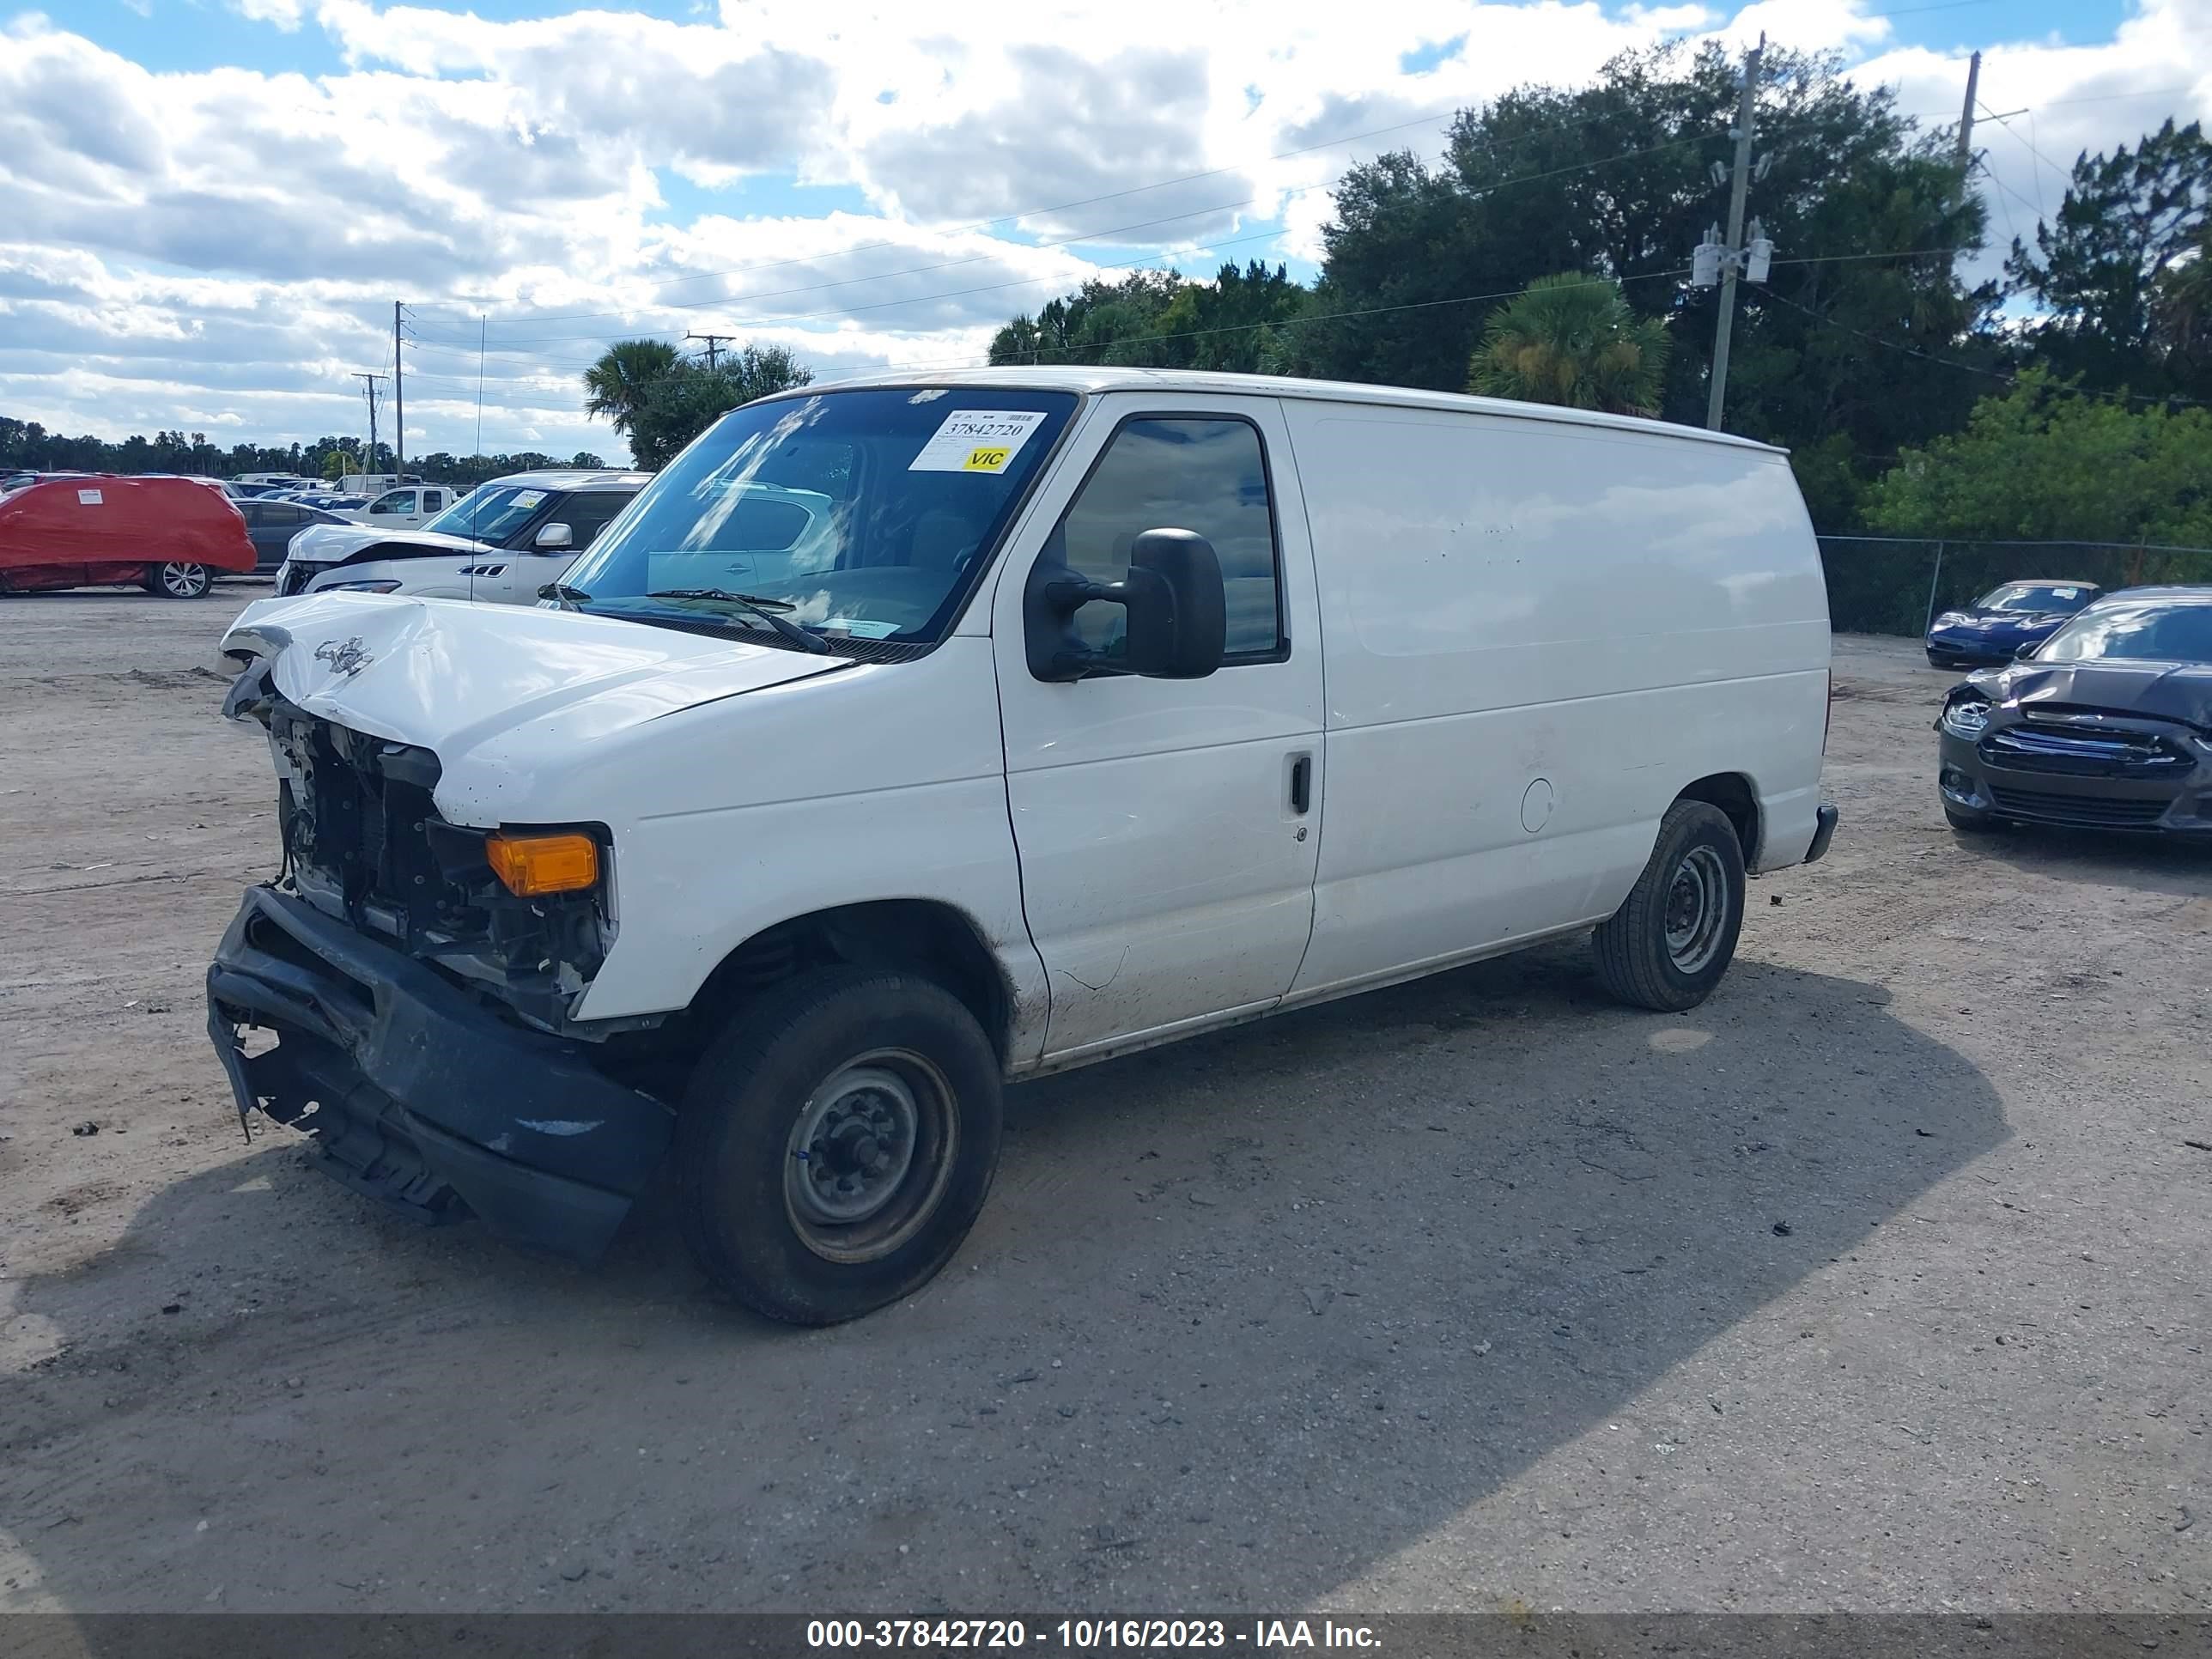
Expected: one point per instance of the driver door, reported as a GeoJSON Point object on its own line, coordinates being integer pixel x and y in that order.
{"type": "Point", "coordinates": [1168, 830]}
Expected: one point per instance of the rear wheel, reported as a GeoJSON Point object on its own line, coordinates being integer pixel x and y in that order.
{"type": "Point", "coordinates": [1674, 935]}
{"type": "Point", "coordinates": [837, 1144]}
{"type": "Point", "coordinates": [180, 581]}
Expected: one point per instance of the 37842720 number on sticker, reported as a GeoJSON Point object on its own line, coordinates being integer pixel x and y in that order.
{"type": "Point", "coordinates": [977, 440]}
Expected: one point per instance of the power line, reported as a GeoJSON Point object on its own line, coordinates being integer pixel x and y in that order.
{"type": "Point", "coordinates": [1088, 201]}
{"type": "Point", "coordinates": [733, 301]}
{"type": "Point", "coordinates": [1999, 375]}
{"type": "Point", "coordinates": [1032, 282]}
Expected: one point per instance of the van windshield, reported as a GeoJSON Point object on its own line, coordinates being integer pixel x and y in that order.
{"type": "Point", "coordinates": [856, 515]}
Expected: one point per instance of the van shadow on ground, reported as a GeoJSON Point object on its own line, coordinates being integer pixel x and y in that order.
{"type": "Point", "coordinates": [1245, 1317]}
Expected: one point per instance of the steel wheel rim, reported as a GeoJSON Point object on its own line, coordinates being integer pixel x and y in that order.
{"type": "Point", "coordinates": [1697, 909]}
{"type": "Point", "coordinates": [869, 1156]}
{"type": "Point", "coordinates": [184, 581]}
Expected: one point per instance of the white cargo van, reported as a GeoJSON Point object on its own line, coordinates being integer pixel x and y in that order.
{"type": "Point", "coordinates": [920, 735]}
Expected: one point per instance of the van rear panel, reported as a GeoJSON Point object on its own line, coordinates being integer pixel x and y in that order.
{"type": "Point", "coordinates": [1536, 634]}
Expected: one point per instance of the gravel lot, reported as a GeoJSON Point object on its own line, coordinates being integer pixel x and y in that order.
{"type": "Point", "coordinates": [1876, 1282]}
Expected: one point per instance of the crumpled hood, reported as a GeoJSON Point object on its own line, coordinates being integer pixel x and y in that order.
{"type": "Point", "coordinates": [334, 543]}
{"type": "Point", "coordinates": [510, 698]}
{"type": "Point", "coordinates": [2165, 690]}
{"type": "Point", "coordinates": [1970, 618]}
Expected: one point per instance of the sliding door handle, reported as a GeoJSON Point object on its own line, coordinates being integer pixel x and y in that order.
{"type": "Point", "coordinates": [1301, 783]}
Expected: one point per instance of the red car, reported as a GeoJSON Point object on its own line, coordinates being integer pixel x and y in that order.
{"type": "Point", "coordinates": [168, 536]}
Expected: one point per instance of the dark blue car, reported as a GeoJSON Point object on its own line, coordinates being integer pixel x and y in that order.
{"type": "Point", "coordinates": [1993, 628]}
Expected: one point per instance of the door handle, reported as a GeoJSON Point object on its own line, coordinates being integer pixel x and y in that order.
{"type": "Point", "coordinates": [1301, 783]}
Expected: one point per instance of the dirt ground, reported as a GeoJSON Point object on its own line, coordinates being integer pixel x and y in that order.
{"type": "Point", "coordinates": [1878, 1282]}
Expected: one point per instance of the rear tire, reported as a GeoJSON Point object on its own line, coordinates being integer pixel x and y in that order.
{"type": "Point", "coordinates": [836, 1143]}
{"type": "Point", "coordinates": [178, 580]}
{"type": "Point", "coordinates": [1675, 933]}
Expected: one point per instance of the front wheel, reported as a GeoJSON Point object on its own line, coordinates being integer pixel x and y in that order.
{"type": "Point", "coordinates": [180, 581]}
{"type": "Point", "coordinates": [837, 1143]}
{"type": "Point", "coordinates": [1674, 935]}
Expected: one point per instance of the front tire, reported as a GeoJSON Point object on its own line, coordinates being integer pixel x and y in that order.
{"type": "Point", "coordinates": [1675, 933]}
{"type": "Point", "coordinates": [177, 580]}
{"type": "Point", "coordinates": [837, 1144]}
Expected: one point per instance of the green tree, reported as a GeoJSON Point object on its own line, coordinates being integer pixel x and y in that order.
{"type": "Point", "coordinates": [2181, 315]}
{"type": "Point", "coordinates": [626, 377]}
{"type": "Point", "coordinates": [690, 398]}
{"type": "Point", "coordinates": [2127, 220]}
{"type": "Point", "coordinates": [1102, 322]}
{"type": "Point", "coordinates": [1846, 350]}
{"type": "Point", "coordinates": [1572, 340]}
{"type": "Point", "coordinates": [2045, 462]}
{"type": "Point", "coordinates": [584, 458]}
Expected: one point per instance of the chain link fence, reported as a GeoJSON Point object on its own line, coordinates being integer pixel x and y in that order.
{"type": "Point", "coordinates": [1897, 585]}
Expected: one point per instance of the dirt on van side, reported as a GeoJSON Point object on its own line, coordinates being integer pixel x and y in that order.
{"type": "Point", "coordinates": [1877, 1283]}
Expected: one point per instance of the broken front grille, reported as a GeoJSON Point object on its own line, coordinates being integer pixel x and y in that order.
{"type": "Point", "coordinates": [357, 813]}
{"type": "Point", "coordinates": [363, 842]}
{"type": "Point", "coordinates": [2085, 750]}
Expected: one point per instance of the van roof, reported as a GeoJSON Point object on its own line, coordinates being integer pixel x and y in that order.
{"type": "Point", "coordinates": [1084, 377]}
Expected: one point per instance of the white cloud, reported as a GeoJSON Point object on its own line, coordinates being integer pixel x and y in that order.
{"type": "Point", "coordinates": [222, 247]}
{"type": "Point", "coordinates": [286, 15]}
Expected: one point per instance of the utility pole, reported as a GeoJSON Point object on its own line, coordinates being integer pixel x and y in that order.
{"type": "Point", "coordinates": [399, 400]}
{"type": "Point", "coordinates": [1717, 398]}
{"type": "Point", "coordinates": [713, 345]}
{"type": "Point", "coordinates": [369, 384]}
{"type": "Point", "coordinates": [1966, 115]}
{"type": "Point", "coordinates": [1964, 151]}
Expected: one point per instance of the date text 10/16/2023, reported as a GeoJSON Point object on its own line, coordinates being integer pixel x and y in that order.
{"type": "Point", "coordinates": [1084, 1635]}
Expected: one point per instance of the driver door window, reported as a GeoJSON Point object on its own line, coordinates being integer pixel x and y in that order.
{"type": "Point", "coordinates": [1173, 472]}
{"type": "Point", "coordinates": [587, 515]}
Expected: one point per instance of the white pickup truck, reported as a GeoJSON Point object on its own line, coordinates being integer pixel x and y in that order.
{"type": "Point", "coordinates": [405, 508]}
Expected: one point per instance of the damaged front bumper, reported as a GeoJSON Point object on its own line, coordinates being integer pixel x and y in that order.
{"type": "Point", "coordinates": [420, 1095]}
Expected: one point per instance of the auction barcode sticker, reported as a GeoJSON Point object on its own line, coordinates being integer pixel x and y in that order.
{"type": "Point", "coordinates": [977, 440]}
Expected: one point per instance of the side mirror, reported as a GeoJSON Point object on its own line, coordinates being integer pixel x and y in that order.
{"type": "Point", "coordinates": [552, 538]}
{"type": "Point", "coordinates": [1177, 612]}
{"type": "Point", "coordinates": [2026, 649]}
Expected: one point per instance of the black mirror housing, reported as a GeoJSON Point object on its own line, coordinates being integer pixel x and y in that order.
{"type": "Point", "coordinates": [1177, 607]}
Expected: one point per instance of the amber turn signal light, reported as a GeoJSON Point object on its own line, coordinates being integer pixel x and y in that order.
{"type": "Point", "coordinates": [530, 866]}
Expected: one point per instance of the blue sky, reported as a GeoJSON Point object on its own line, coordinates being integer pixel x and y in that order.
{"type": "Point", "coordinates": [214, 203]}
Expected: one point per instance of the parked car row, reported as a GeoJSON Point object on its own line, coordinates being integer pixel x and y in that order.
{"type": "Point", "coordinates": [501, 543]}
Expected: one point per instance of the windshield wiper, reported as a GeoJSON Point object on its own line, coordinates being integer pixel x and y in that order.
{"type": "Point", "coordinates": [765, 609]}
{"type": "Point", "coordinates": [562, 590]}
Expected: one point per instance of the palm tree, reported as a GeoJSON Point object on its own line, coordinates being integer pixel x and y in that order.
{"type": "Point", "coordinates": [2181, 303]}
{"type": "Point", "coordinates": [624, 378]}
{"type": "Point", "coordinates": [1572, 340]}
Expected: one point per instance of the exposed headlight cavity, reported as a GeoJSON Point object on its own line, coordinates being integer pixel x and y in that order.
{"type": "Point", "coordinates": [1966, 715]}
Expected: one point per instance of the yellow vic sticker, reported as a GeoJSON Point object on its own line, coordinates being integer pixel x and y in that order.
{"type": "Point", "coordinates": [986, 460]}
